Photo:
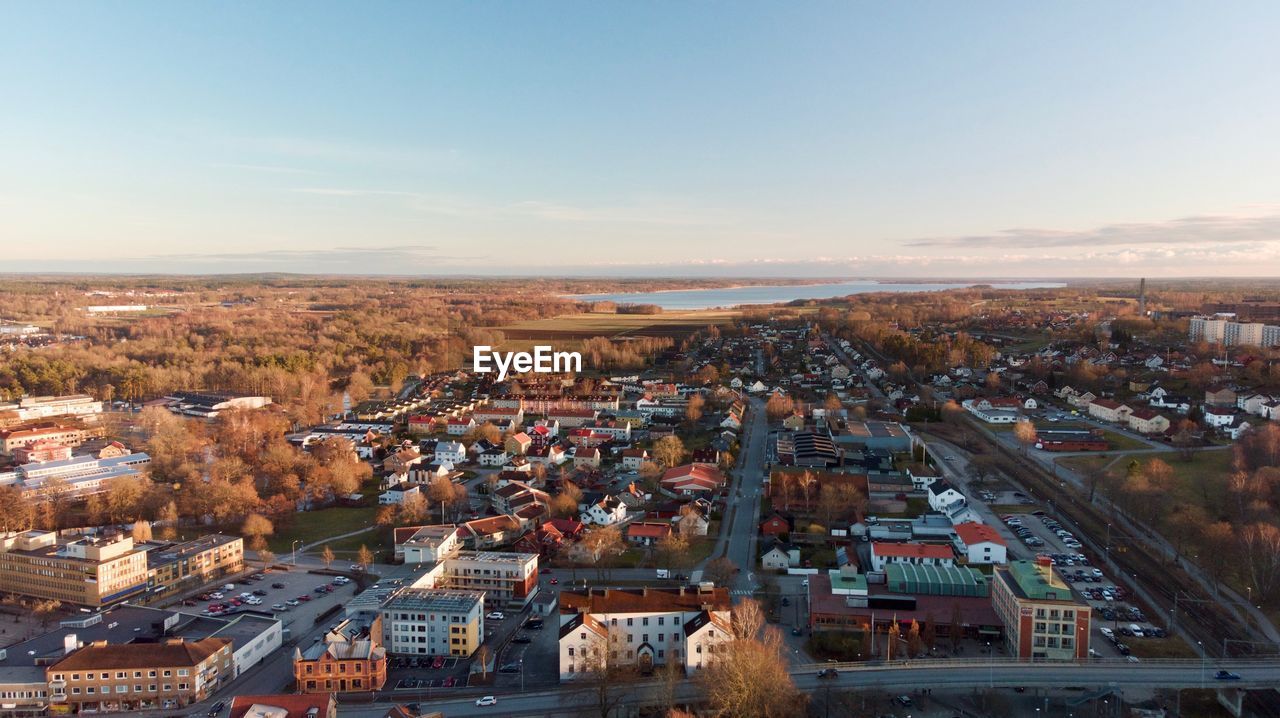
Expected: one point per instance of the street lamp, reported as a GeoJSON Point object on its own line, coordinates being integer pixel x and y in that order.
{"type": "Point", "coordinates": [991, 667]}
{"type": "Point", "coordinates": [293, 548]}
{"type": "Point", "coordinates": [1202, 657]}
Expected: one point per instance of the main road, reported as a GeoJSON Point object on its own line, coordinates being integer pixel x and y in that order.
{"type": "Point", "coordinates": [737, 539]}
{"type": "Point", "coordinates": [571, 699]}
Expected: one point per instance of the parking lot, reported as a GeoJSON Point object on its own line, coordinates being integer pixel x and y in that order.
{"type": "Point", "coordinates": [539, 658]}
{"type": "Point", "coordinates": [296, 582]}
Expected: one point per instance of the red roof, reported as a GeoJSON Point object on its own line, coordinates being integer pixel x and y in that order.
{"type": "Point", "coordinates": [912, 550]}
{"type": "Point", "coordinates": [296, 705]}
{"type": "Point", "coordinates": [648, 530]}
{"type": "Point", "coordinates": [701, 475]}
{"type": "Point", "coordinates": [972, 532]}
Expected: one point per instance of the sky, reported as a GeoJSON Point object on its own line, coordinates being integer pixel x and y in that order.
{"type": "Point", "coordinates": [746, 139]}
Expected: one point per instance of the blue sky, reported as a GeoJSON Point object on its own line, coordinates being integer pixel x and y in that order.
{"type": "Point", "coordinates": [813, 139]}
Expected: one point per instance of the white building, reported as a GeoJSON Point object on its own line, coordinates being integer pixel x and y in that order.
{"type": "Point", "coordinates": [644, 627]}
{"type": "Point", "coordinates": [980, 543]}
{"type": "Point", "coordinates": [452, 452]}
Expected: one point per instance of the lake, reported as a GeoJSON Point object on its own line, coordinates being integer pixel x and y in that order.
{"type": "Point", "coordinates": [771, 294]}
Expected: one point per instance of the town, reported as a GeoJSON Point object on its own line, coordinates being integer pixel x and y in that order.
{"type": "Point", "coordinates": [983, 502]}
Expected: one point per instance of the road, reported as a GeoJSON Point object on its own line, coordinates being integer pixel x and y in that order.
{"type": "Point", "coordinates": [935, 674]}
{"type": "Point", "coordinates": [737, 538]}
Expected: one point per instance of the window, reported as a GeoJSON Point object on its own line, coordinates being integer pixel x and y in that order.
{"type": "Point", "coordinates": [570, 650]}
{"type": "Point", "coordinates": [661, 637]}
{"type": "Point", "coordinates": [121, 674]}
{"type": "Point", "coordinates": [631, 621]}
{"type": "Point", "coordinates": [646, 620]}
{"type": "Point", "coordinates": [613, 621]}
{"type": "Point", "coordinates": [699, 648]}
{"type": "Point", "coordinates": [90, 689]}
{"type": "Point", "coordinates": [645, 638]}
{"type": "Point", "coordinates": [662, 620]}
{"type": "Point", "coordinates": [660, 653]}
{"type": "Point", "coordinates": [183, 672]}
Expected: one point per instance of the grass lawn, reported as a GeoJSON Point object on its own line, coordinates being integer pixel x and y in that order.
{"type": "Point", "coordinates": [1200, 481]}
{"type": "Point", "coordinates": [311, 526]}
{"type": "Point", "coordinates": [700, 548]}
{"type": "Point", "coordinates": [1121, 442]}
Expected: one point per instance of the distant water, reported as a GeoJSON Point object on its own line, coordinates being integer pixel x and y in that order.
{"type": "Point", "coordinates": [734, 296]}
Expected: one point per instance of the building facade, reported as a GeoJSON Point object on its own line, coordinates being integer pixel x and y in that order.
{"type": "Point", "coordinates": [1043, 617]}
{"type": "Point", "coordinates": [433, 622]}
{"type": "Point", "coordinates": [104, 677]}
{"type": "Point", "coordinates": [642, 628]}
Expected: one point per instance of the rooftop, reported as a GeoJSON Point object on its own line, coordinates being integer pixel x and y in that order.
{"type": "Point", "coordinates": [428, 599]}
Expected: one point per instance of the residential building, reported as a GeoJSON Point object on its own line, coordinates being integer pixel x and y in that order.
{"type": "Point", "coordinates": [1109, 410]}
{"type": "Point", "coordinates": [40, 452]}
{"type": "Point", "coordinates": [943, 495]}
{"type": "Point", "coordinates": [518, 444]}
{"type": "Point", "coordinates": [633, 458]}
{"type": "Point", "coordinates": [433, 622]}
{"type": "Point", "coordinates": [922, 475]}
{"type": "Point", "coordinates": [1043, 617]}
{"type": "Point", "coordinates": [1147, 421]}
{"type": "Point", "coordinates": [980, 543]}
{"type": "Point", "coordinates": [1224, 329]}
{"type": "Point", "coordinates": [692, 479]}
{"type": "Point", "coordinates": [426, 544]}
{"type": "Point", "coordinates": [107, 678]}
{"type": "Point", "coordinates": [490, 532]}
{"type": "Point", "coordinates": [587, 457]}
{"type": "Point", "coordinates": [779, 555]}
{"type": "Point", "coordinates": [644, 628]}
{"type": "Point", "coordinates": [607, 511]}
{"type": "Point", "coordinates": [646, 533]}
{"type": "Point", "coordinates": [451, 452]}
{"type": "Point", "coordinates": [1222, 397]}
{"type": "Point", "coordinates": [349, 659]}
{"type": "Point", "coordinates": [508, 579]}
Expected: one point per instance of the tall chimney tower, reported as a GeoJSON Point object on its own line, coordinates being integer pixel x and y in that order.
{"type": "Point", "coordinates": [1142, 297]}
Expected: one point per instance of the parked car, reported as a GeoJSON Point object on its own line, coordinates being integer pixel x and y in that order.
{"type": "Point", "coordinates": [487, 701]}
{"type": "Point", "coordinates": [495, 615]}
{"type": "Point", "coordinates": [438, 663]}
{"type": "Point", "coordinates": [1226, 676]}
{"type": "Point", "coordinates": [509, 668]}
{"type": "Point", "coordinates": [522, 639]}
{"type": "Point", "coordinates": [277, 585]}
{"type": "Point", "coordinates": [279, 607]}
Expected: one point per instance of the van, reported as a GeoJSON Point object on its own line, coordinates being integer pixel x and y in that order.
{"type": "Point", "coordinates": [229, 587]}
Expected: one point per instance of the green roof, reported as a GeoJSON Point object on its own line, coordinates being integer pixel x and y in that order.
{"type": "Point", "coordinates": [936, 580]}
{"type": "Point", "coordinates": [1036, 584]}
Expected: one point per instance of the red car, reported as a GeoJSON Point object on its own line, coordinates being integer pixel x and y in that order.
{"type": "Point", "coordinates": [448, 682]}
{"type": "Point", "coordinates": [304, 597]}
{"type": "Point", "coordinates": [438, 662]}
{"type": "Point", "coordinates": [554, 581]}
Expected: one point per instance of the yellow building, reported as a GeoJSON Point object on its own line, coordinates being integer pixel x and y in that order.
{"type": "Point", "coordinates": [173, 568]}
{"type": "Point", "coordinates": [1043, 616]}
{"type": "Point", "coordinates": [86, 571]}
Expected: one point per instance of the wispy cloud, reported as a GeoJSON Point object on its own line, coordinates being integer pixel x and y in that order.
{"type": "Point", "coordinates": [1193, 230]}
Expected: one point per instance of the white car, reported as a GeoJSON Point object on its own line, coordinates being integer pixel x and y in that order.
{"type": "Point", "coordinates": [495, 616]}
{"type": "Point", "coordinates": [487, 701]}
{"type": "Point", "coordinates": [805, 583]}
{"type": "Point", "coordinates": [1107, 632]}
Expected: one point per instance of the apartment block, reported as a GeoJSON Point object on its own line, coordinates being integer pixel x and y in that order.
{"type": "Point", "coordinates": [173, 568]}
{"type": "Point", "coordinates": [433, 622]}
{"type": "Point", "coordinates": [643, 628]}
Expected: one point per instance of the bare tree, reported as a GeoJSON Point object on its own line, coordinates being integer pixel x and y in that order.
{"type": "Point", "coordinates": [326, 556]}
{"type": "Point", "coordinates": [364, 557]}
{"type": "Point", "coordinates": [747, 618]}
{"type": "Point", "coordinates": [750, 678]}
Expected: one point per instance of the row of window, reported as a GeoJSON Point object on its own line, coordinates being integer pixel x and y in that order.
{"type": "Point", "coordinates": [90, 690]}
{"type": "Point", "coordinates": [120, 675]}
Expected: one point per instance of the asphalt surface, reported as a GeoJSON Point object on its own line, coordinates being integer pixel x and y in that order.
{"type": "Point", "coordinates": [961, 675]}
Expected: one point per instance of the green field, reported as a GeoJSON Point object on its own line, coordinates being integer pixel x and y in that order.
{"type": "Point", "coordinates": [310, 526]}
{"type": "Point", "coordinates": [1200, 480]}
